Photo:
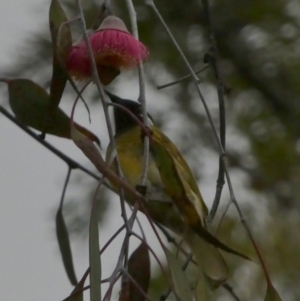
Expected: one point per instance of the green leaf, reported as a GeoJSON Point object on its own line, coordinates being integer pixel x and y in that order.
{"type": "Point", "coordinates": [60, 31]}
{"type": "Point", "coordinates": [94, 257]}
{"type": "Point", "coordinates": [57, 17]}
{"type": "Point", "coordinates": [29, 102]}
{"type": "Point", "coordinates": [64, 246]}
{"type": "Point", "coordinates": [181, 285]}
{"type": "Point", "coordinates": [201, 289]}
{"type": "Point", "coordinates": [139, 269]}
{"type": "Point", "coordinates": [209, 259]}
{"type": "Point", "coordinates": [272, 294]}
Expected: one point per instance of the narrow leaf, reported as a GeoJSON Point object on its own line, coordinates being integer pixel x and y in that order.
{"type": "Point", "coordinates": [208, 258]}
{"type": "Point", "coordinates": [94, 257]}
{"type": "Point", "coordinates": [272, 294]}
{"type": "Point", "coordinates": [29, 102]}
{"type": "Point", "coordinates": [57, 17]}
{"type": "Point", "coordinates": [201, 289]}
{"type": "Point", "coordinates": [139, 269]}
{"type": "Point", "coordinates": [77, 293]}
{"type": "Point", "coordinates": [64, 246]}
{"type": "Point", "coordinates": [181, 285]}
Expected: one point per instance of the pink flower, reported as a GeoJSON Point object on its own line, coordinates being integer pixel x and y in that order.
{"type": "Point", "coordinates": [113, 45]}
{"type": "Point", "coordinates": [114, 49]}
{"type": "Point", "coordinates": [77, 62]}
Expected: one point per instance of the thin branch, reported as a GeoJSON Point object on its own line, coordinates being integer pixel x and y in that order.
{"type": "Point", "coordinates": [65, 188]}
{"type": "Point", "coordinates": [245, 224]}
{"type": "Point", "coordinates": [172, 240]}
{"type": "Point", "coordinates": [152, 252]}
{"type": "Point", "coordinates": [230, 290]}
{"type": "Point", "coordinates": [124, 248]}
{"type": "Point", "coordinates": [142, 97]}
{"type": "Point", "coordinates": [108, 293]}
{"type": "Point", "coordinates": [62, 64]}
{"type": "Point", "coordinates": [181, 79]}
{"type": "Point", "coordinates": [132, 280]}
{"type": "Point", "coordinates": [111, 239]}
{"type": "Point", "coordinates": [104, 101]}
{"type": "Point", "coordinates": [85, 275]}
{"type": "Point", "coordinates": [73, 164]}
{"type": "Point", "coordinates": [86, 288]}
{"type": "Point", "coordinates": [221, 150]}
{"type": "Point", "coordinates": [194, 77]}
{"type": "Point", "coordinates": [211, 58]}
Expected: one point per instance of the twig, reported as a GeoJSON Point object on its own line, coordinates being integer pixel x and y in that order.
{"type": "Point", "coordinates": [62, 64]}
{"type": "Point", "coordinates": [85, 275]}
{"type": "Point", "coordinates": [124, 247]}
{"type": "Point", "coordinates": [65, 188]}
{"type": "Point", "coordinates": [181, 79]}
{"type": "Point", "coordinates": [142, 97]}
{"type": "Point", "coordinates": [211, 58]}
{"type": "Point", "coordinates": [103, 98]}
{"type": "Point", "coordinates": [193, 75]}
{"type": "Point", "coordinates": [88, 287]}
{"type": "Point", "coordinates": [221, 150]}
{"type": "Point", "coordinates": [230, 290]}
{"type": "Point", "coordinates": [132, 280]}
{"type": "Point", "coordinates": [152, 252]}
{"type": "Point", "coordinates": [245, 224]}
{"type": "Point", "coordinates": [73, 164]}
{"type": "Point", "coordinates": [111, 239]}
{"type": "Point", "coordinates": [142, 100]}
{"type": "Point", "coordinates": [172, 240]}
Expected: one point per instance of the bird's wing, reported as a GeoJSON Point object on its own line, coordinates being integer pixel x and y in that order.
{"type": "Point", "coordinates": [182, 169]}
{"type": "Point", "coordinates": [176, 185]}
{"type": "Point", "coordinates": [185, 198]}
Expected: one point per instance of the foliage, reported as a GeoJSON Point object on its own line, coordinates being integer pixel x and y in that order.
{"type": "Point", "coordinates": [258, 59]}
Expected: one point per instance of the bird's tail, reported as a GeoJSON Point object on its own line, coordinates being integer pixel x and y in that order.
{"type": "Point", "coordinates": [208, 258]}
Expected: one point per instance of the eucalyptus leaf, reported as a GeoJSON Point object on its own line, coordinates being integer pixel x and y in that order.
{"type": "Point", "coordinates": [94, 258]}
{"type": "Point", "coordinates": [181, 286]}
{"type": "Point", "coordinates": [29, 102]}
{"type": "Point", "coordinates": [64, 246]}
{"type": "Point", "coordinates": [272, 294]}
{"type": "Point", "coordinates": [202, 292]}
{"type": "Point", "coordinates": [139, 269]}
{"type": "Point", "coordinates": [57, 17]}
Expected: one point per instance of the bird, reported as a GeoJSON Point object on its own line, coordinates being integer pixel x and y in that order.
{"type": "Point", "coordinates": [173, 198]}
{"type": "Point", "coordinates": [29, 102]}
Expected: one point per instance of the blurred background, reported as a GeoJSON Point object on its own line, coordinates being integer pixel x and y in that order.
{"type": "Point", "coordinates": [259, 60]}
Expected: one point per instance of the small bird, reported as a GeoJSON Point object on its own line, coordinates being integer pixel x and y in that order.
{"type": "Point", "coordinates": [29, 102]}
{"type": "Point", "coordinates": [173, 197]}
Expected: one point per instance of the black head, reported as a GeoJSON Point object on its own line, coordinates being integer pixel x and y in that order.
{"type": "Point", "coordinates": [124, 121]}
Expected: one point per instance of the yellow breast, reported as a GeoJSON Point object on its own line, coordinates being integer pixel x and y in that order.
{"type": "Point", "coordinates": [130, 150]}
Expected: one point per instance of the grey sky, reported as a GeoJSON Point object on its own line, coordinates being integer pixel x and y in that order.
{"type": "Point", "coordinates": [31, 180]}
